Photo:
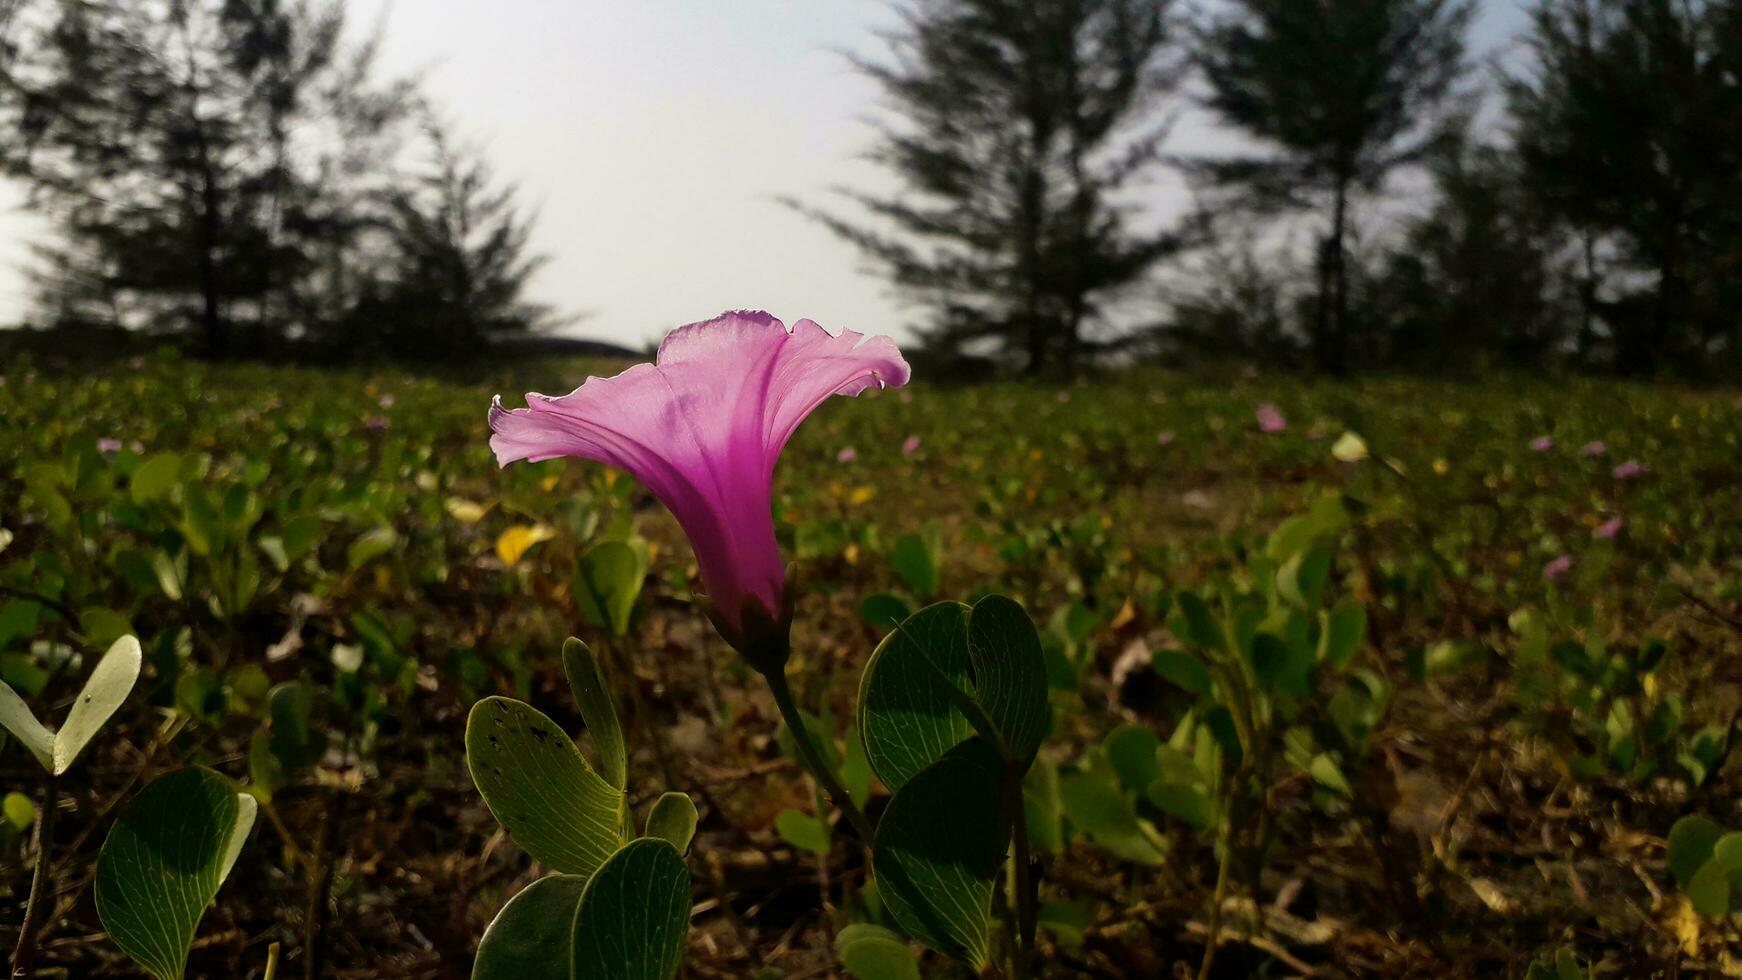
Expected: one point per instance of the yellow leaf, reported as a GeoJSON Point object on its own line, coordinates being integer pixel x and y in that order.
{"type": "Point", "coordinates": [1685, 923]}
{"type": "Point", "coordinates": [465, 511]}
{"type": "Point", "coordinates": [851, 554]}
{"type": "Point", "coordinates": [861, 495]}
{"type": "Point", "coordinates": [548, 484]}
{"type": "Point", "coordinates": [515, 541]}
{"type": "Point", "coordinates": [1125, 615]}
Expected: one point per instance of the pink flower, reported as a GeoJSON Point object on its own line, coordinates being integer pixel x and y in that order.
{"type": "Point", "coordinates": [1542, 444]}
{"type": "Point", "coordinates": [1628, 470]}
{"type": "Point", "coordinates": [846, 455]}
{"type": "Point", "coordinates": [1556, 570]}
{"type": "Point", "coordinates": [386, 401]}
{"type": "Point", "coordinates": [1164, 437]}
{"type": "Point", "coordinates": [910, 445]}
{"type": "Point", "coordinates": [106, 446]}
{"type": "Point", "coordinates": [702, 428]}
{"type": "Point", "coordinates": [376, 423]}
{"type": "Point", "coordinates": [1270, 418]}
{"type": "Point", "coordinates": [1607, 530]}
{"type": "Point", "coordinates": [1593, 448]}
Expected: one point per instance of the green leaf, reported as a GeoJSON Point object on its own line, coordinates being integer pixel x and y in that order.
{"type": "Point", "coordinates": [1301, 579]}
{"type": "Point", "coordinates": [882, 611]}
{"type": "Point", "coordinates": [155, 478]}
{"type": "Point", "coordinates": [1009, 675]}
{"type": "Point", "coordinates": [1132, 750]}
{"type": "Point", "coordinates": [869, 952]}
{"type": "Point", "coordinates": [18, 811]}
{"type": "Point", "coordinates": [1097, 808]}
{"type": "Point", "coordinates": [540, 789]}
{"type": "Point", "coordinates": [608, 580]}
{"type": "Point", "coordinates": [634, 918]}
{"type": "Point", "coordinates": [17, 718]}
{"type": "Point", "coordinates": [1341, 631]}
{"type": "Point", "coordinates": [1194, 622]}
{"type": "Point", "coordinates": [673, 819]}
{"type": "Point", "coordinates": [1709, 890]}
{"type": "Point", "coordinates": [104, 692]}
{"type": "Point", "coordinates": [803, 831]}
{"type": "Point", "coordinates": [370, 546]}
{"type": "Point", "coordinates": [163, 861]}
{"type": "Point", "coordinates": [914, 564]}
{"type": "Point", "coordinates": [295, 741]}
{"type": "Point", "coordinates": [587, 684]}
{"type": "Point", "coordinates": [529, 939]}
{"type": "Point", "coordinates": [907, 714]}
{"type": "Point", "coordinates": [1690, 845]}
{"type": "Point", "coordinates": [1183, 670]}
{"type": "Point", "coordinates": [939, 848]}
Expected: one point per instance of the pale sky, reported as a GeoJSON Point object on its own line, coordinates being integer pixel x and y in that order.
{"type": "Point", "coordinates": [652, 136]}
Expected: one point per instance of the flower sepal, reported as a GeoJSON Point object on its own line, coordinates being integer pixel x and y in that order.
{"type": "Point", "coordinates": [762, 638]}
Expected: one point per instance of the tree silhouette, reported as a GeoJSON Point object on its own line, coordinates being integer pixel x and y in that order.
{"type": "Point", "coordinates": [1014, 126]}
{"type": "Point", "coordinates": [1338, 94]}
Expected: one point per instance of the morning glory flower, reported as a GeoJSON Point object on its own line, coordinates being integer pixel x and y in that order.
{"type": "Point", "coordinates": [108, 446]}
{"type": "Point", "coordinates": [1593, 448]}
{"type": "Point", "coordinates": [846, 455]}
{"type": "Point", "coordinates": [1542, 444]}
{"type": "Point", "coordinates": [1628, 470]}
{"type": "Point", "coordinates": [1557, 569]}
{"type": "Point", "coordinates": [701, 428]}
{"type": "Point", "coordinates": [910, 445]}
{"type": "Point", "coordinates": [1270, 418]}
{"type": "Point", "coordinates": [1607, 530]}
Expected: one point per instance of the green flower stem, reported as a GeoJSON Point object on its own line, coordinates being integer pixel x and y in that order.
{"type": "Point", "coordinates": [1023, 951]}
{"type": "Point", "coordinates": [812, 758]}
{"type": "Point", "coordinates": [36, 906]}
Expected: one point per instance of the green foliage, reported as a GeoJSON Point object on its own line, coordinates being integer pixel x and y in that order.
{"type": "Point", "coordinates": [540, 789]}
{"type": "Point", "coordinates": [952, 707]}
{"type": "Point", "coordinates": [104, 691]}
{"type": "Point", "coordinates": [870, 952]}
{"type": "Point", "coordinates": [634, 915]}
{"type": "Point", "coordinates": [163, 862]}
{"type": "Point", "coordinates": [538, 920]}
{"type": "Point", "coordinates": [1707, 863]}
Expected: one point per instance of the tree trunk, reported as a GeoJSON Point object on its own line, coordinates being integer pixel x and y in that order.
{"type": "Point", "coordinates": [1336, 356]}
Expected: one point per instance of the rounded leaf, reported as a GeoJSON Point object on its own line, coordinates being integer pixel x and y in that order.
{"type": "Point", "coordinates": [634, 918]}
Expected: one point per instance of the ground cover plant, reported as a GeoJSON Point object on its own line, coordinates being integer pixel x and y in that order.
{"type": "Point", "coordinates": [1264, 676]}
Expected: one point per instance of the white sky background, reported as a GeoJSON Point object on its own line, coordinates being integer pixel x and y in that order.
{"type": "Point", "coordinates": [652, 137]}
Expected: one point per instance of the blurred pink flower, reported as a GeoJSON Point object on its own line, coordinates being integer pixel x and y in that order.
{"type": "Point", "coordinates": [376, 423]}
{"type": "Point", "coordinates": [385, 401]}
{"type": "Point", "coordinates": [1164, 437]}
{"type": "Point", "coordinates": [1270, 418]}
{"type": "Point", "coordinates": [1542, 444]}
{"type": "Point", "coordinates": [1064, 397]}
{"type": "Point", "coordinates": [1607, 530]}
{"type": "Point", "coordinates": [108, 445]}
{"type": "Point", "coordinates": [910, 445]}
{"type": "Point", "coordinates": [846, 455]}
{"type": "Point", "coordinates": [702, 428]}
{"type": "Point", "coordinates": [1628, 470]}
{"type": "Point", "coordinates": [1593, 448]}
{"type": "Point", "coordinates": [1556, 570]}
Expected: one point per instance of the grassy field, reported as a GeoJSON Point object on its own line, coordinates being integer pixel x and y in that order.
{"type": "Point", "coordinates": [1519, 605]}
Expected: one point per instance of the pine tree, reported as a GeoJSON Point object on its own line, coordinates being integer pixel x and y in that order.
{"type": "Point", "coordinates": [459, 261]}
{"type": "Point", "coordinates": [1016, 128]}
{"type": "Point", "coordinates": [205, 162]}
{"type": "Point", "coordinates": [1338, 94]}
{"type": "Point", "coordinates": [1629, 128]}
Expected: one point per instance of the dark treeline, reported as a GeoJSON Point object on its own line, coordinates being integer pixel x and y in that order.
{"type": "Point", "coordinates": [1579, 204]}
{"type": "Point", "coordinates": [236, 172]}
